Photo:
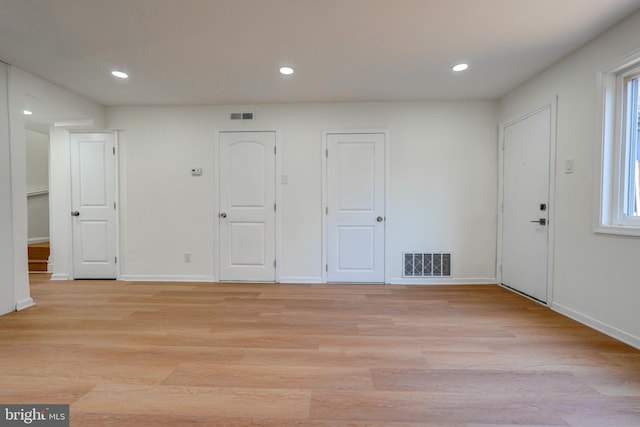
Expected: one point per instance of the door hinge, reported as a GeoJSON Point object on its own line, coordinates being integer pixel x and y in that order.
{"type": "Point", "coordinates": [274, 263]}
{"type": "Point", "coordinates": [275, 207]}
{"type": "Point", "coordinates": [326, 152]}
{"type": "Point", "coordinates": [500, 269]}
{"type": "Point", "coordinates": [326, 267]}
{"type": "Point", "coordinates": [114, 150]}
{"type": "Point", "coordinates": [116, 260]}
{"type": "Point", "coordinates": [274, 149]}
{"type": "Point", "coordinates": [326, 210]}
{"type": "Point", "coordinates": [114, 205]}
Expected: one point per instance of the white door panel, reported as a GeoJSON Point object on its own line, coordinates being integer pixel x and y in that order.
{"type": "Point", "coordinates": [356, 207]}
{"type": "Point", "coordinates": [526, 200]}
{"type": "Point", "coordinates": [247, 206]}
{"type": "Point", "coordinates": [93, 205]}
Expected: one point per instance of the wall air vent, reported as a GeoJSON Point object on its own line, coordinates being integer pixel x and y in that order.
{"type": "Point", "coordinates": [426, 264]}
{"type": "Point", "coordinates": [241, 116]}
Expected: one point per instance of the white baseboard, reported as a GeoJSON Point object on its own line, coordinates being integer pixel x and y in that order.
{"type": "Point", "coordinates": [606, 329]}
{"type": "Point", "coordinates": [60, 277]}
{"type": "Point", "coordinates": [31, 240]}
{"type": "Point", "coordinates": [300, 279]}
{"type": "Point", "coordinates": [161, 278]}
{"type": "Point", "coordinates": [442, 281]}
{"type": "Point", "coordinates": [24, 303]}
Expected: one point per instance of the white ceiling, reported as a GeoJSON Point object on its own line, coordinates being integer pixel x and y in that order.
{"type": "Point", "coordinates": [229, 51]}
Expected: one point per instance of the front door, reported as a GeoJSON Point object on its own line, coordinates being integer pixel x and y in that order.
{"type": "Point", "coordinates": [247, 215]}
{"type": "Point", "coordinates": [525, 219]}
{"type": "Point", "coordinates": [355, 207]}
{"type": "Point", "coordinates": [93, 205]}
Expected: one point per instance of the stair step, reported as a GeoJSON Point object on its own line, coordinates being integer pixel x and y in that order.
{"type": "Point", "coordinates": [38, 265]}
{"type": "Point", "coordinates": [38, 252]}
{"type": "Point", "coordinates": [38, 256]}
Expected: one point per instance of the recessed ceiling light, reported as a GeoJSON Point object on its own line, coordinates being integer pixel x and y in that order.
{"type": "Point", "coordinates": [27, 112]}
{"type": "Point", "coordinates": [460, 67]}
{"type": "Point", "coordinates": [120, 74]}
{"type": "Point", "coordinates": [287, 71]}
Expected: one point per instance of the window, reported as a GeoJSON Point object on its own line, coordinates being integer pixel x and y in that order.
{"type": "Point", "coordinates": [619, 192]}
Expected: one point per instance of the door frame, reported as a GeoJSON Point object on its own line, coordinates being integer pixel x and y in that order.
{"type": "Point", "coordinates": [216, 198]}
{"type": "Point", "coordinates": [552, 105]}
{"type": "Point", "coordinates": [325, 196]}
{"type": "Point", "coordinates": [116, 183]}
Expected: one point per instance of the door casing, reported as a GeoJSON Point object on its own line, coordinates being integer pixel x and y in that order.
{"type": "Point", "coordinates": [552, 106]}
{"type": "Point", "coordinates": [325, 197]}
{"type": "Point", "coordinates": [116, 200]}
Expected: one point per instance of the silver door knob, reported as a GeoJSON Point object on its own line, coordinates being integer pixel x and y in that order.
{"type": "Point", "coordinates": [223, 215]}
{"type": "Point", "coordinates": [380, 219]}
{"type": "Point", "coordinates": [541, 221]}
{"type": "Point", "coordinates": [75, 213]}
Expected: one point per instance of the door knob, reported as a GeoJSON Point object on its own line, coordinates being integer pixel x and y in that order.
{"type": "Point", "coordinates": [75, 213]}
{"type": "Point", "coordinates": [541, 221]}
{"type": "Point", "coordinates": [380, 219]}
{"type": "Point", "coordinates": [223, 215]}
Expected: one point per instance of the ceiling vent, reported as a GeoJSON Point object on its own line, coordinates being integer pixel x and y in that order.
{"type": "Point", "coordinates": [241, 116]}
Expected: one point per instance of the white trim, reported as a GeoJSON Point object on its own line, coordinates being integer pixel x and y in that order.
{"type": "Point", "coordinates": [25, 303]}
{"type": "Point", "coordinates": [301, 279]}
{"type": "Point", "coordinates": [37, 192]}
{"type": "Point", "coordinates": [116, 197]}
{"type": "Point", "coordinates": [61, 277]}
{"type": "Point", "coordinates": [31, 240]}
{"type": "Point", "coordinates": [387, 197]}
{"type": "Point", "coordinates": [164, 278]}
{"type": "Point", "coordinates": [553, 106]}
{"type": "Point", "coordinates": [603, 327]}
{"type": "Point", "coordinates": [608, 155]}
{"type": "Point", "coordinates": [425, 281]}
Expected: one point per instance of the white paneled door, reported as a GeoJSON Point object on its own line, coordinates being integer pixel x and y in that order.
{"type": "Point", "coordinates": [355, 207]}
{"type": "Point", "coordinates": [525, 218]}
{"type": "Point", "coordinates": [93, 205]}
{"type": "Point", "coordinates": [247, 215]}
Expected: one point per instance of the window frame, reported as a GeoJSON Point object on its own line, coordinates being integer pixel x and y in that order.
{"type": "Point", "coordinates": [614, 149]}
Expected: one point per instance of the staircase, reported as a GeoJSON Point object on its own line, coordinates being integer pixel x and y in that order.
{"type": "Point", "coordinates": [38, 256]}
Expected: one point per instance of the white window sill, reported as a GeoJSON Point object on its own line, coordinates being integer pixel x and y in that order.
{"type": "Point", "coordinates": [619, 230]}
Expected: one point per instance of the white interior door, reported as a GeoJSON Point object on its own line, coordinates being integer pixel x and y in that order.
{"type": "Point", "coordinates": [525, 218]}
{"type": "Point", "coordinates": [247, 214]}
{"type": "Point", "coordinates": [355, 207]}
{"type": "Point", "coordinates": [93, 211]}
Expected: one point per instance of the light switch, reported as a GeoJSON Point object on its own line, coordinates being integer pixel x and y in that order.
{"type": "Point", "coordinates": [568, 166]}
{"type": "Point", "coordinates": [284, 179]}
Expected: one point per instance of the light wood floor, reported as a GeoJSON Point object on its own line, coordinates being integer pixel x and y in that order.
{"type": "Point", "coordinates": [182, 354]}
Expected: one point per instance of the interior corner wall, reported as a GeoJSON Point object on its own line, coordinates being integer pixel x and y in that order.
{"type": "Point", "coordinates": [7, 299]}
{"type": "Point", "coordinates": [595, 276]}
{"type": "Point", "coordinates": [37, 148]}
{"type": "Point", "coordinates": [443, 184]}
{"type": "Point", "coordinates": [23, 84]}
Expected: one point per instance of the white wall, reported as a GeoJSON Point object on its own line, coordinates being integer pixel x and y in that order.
{"type": "Point", "coordinates": [37, 149]}
{"type": "Point", "coordinates": [7, 300]}
{"type": "Point", "coordinates": [25, 86]}
{"type": "Point", "coordinates": [443, 181]}
{"type": "Point", "coordinates": [596, 277]}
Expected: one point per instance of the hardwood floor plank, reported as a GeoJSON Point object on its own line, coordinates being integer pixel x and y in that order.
{"type": "Point", "coordinates": [271, 377]}
{"type": "Point", "coordinates": [205, 401]}
{"type": "Point", "coordinates": [185, 354]}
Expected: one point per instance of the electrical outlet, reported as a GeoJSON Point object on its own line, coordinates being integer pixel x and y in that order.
{"type": "Point", "coordinates": [187, 257]}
